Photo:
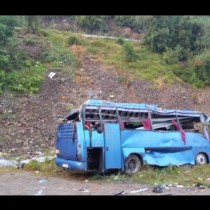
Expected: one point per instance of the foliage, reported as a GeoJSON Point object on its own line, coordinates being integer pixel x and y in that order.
{"type": "Point", "coordinates": [5, 33]}
{"type": "Point", "coordinates": [26, 80]}
{"type": "Point", "coordinates": [73, 40]}
{"type": "Point", "coordinates": [130, 54]}
{"type": "Point", "coordinates": [169, 31]}
{"type": "Point", "coordinates": [32, 23]}
{"type": "Point", "coordinates": [125, 21]}
{"type": "Point", "coordinates": [10, 21]}
{"type": "Point", "coordinates": [120, 41]}
{"type": "Point", "coordinates": [196, 71]}
{"type": "Point", "coordinates": [137, 23]}
{"type": "Point", "coordinates": [172, 56]}
{"type": "Point", "coordinates": [91, 23]}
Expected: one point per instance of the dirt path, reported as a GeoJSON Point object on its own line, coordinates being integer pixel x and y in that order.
{"type": "Point", "coordinates": [28, 183]}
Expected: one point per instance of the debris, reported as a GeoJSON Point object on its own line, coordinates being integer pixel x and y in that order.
{"type": "Point", "coordinates": [9, 163]}
{"type": "Point", "coordinates": [39, 193]}
{"type": "Point", "coordinates": [86, 180]}
{"type": "Point", "coordinates": [51, 75]}
{"type": "Point", "coordinates": [141, 190]}
{"type": "Point", "coordinates": [37, 172]}
{"type": "Point", "coordinates": [24, 161]}
{"type": "Point", "coordinates": [111, 96]}
{"type": "Point", "coordinates": [180, 186]}
{"type": "Point", "coordinates": [199, 186]}
{"type": "Point", "coordinates": [200, 179]}
{"type": "Point", "coordinates": [43, 181]}
{"type": "Point", "coordinates": [83, 190]}
{"type": "Point", "coordinates": [39, 159]}
{"type": "Point", "coordinates": [165, 186]}
{"type": "Point", "coordinates": [38, 153]}
{"type": "Point", "coordinates": [20, 165]}
{"type": "Point", "coordinates": [158, 189]}
{"type": "Point", "coordinates": [120, 193]}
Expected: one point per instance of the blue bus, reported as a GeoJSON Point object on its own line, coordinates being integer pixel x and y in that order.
{"type": "Point", "coordinates": [103, 135]}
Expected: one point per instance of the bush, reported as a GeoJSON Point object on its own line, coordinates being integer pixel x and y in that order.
{"type": "Point", "coordinates": [120, 41]}
{"type": "Point", "coordinates": [27, 80]}
{"type": "Point", "coordinates": [10, 21]}
{"type": "Point", "coordinates": [172, 56]}
{"type": "Point", "coordinates": [91, 23]}
{"type": "Point", "coordinates": [127, 21]}
{"type": "Point", "coordinates": [130, 54]}
{"type": "Point", "coordinates": [73, 40]}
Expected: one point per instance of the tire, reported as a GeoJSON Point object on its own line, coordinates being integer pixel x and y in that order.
{"type": "Point", "coordinates": [132, 165]}
{"type": "Point", "coordinates": [201, 159]}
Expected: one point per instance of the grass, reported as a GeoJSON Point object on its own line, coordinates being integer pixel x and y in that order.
{"type": "Point", "coordinates": [149, 66]}
{"type": "Point", "coordinates": [59, 55]}
{"type": "Point", "coordinates": [49, 168]}
{"type": "Point", "coordinates": [186, 176]}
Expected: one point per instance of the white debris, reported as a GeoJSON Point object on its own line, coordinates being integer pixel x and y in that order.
{"type": "Point", "coordinates": [141, 190]}
{"type": "Point", "coordinates": [39, 193]}
{"type": "Point", "coordinates": [180, 186]}
{"type": "Point", "coordinates": [39, 159]}
{"type": "Point", "coordinates": [9, 163]}
{"type": "Point", "coordinates": [43, 181]}
{"type": "Point", "coordinates": [84, 190]}
{"type": "Point", "coordinates": [51, 75]}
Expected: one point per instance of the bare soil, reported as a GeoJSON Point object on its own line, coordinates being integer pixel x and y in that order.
{"type": "Point", "coordinates": [20, 182]}
{"type": "Point", "coordinates": [28, 122]}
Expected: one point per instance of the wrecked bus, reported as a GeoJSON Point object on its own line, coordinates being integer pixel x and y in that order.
{"type": "Point", "coordinates": [103, 135]}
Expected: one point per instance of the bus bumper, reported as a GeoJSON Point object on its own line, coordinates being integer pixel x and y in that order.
{"type": "Point", "coordinates": [70, 164]}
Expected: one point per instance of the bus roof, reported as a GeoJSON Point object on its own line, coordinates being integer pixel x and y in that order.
{"type": "Point", "coordinates": [142, 106]}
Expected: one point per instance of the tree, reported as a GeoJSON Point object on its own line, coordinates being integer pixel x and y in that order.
{"type": "Point", "coordinates": [91, 23]}
{"type": "Point", "coordinates": [169, 31]}
{"type": "Point", "coordinates": [32, 23]}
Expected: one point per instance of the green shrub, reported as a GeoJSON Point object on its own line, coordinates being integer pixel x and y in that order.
{"type": "Point", "coordinates": [172, 56]}
{"type": "Point", "coordinates": [130, 54]}
{"type": "Point", "coordinates": [120, 41]}
{"type": "Point", "coordinates": [73, 40]}
{"type": "Point", "coordinates": [91, 23]}
{"type": "Point", "coordinates": [10, 21]}
{"type": "Point", "coordinates": [27, 80]}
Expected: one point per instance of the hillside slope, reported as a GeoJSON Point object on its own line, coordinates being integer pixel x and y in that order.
{"type": "Point", "coordinates": [29, 121]}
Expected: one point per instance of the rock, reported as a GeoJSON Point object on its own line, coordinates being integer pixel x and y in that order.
{"type": "Point", "coordinates": [158, 189]}
{"type": "Point", "coordinates": [25, 143]}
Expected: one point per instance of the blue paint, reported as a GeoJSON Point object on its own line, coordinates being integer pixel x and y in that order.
{"type": "Point", "coordinates": [67, 141]}
{"type": "Point", "coordinates": [80, 147]}
{"type": "Point", "coordinates": [76, 165]}
{"type": "Point", "coordinates": [112, 146]}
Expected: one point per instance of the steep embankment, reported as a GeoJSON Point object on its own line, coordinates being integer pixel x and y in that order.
{"type": "Point", "coordinates": [29, 121]}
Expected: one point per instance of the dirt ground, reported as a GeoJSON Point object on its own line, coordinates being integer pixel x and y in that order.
{"type": "Point", "coordinates": [19, 182]}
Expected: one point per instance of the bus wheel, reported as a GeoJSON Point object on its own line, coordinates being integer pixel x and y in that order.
{"type": "Point", "coordinates": [132, 164]}
{"type": "Point", "coordinates": [201, 159]}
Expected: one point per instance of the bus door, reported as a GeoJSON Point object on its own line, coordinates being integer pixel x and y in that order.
{"type": "Point", "coordinates": [112, 140]}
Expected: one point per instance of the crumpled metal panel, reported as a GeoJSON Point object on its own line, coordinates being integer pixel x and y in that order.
{"type": "Point", "coordinates": [166, 159]}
